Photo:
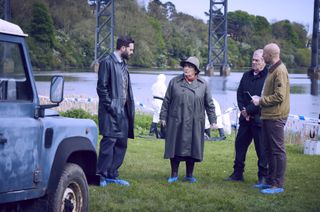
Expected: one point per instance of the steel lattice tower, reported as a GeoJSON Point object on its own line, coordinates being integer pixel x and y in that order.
{"type": "Point", "coordinates": [5, 10]}
{"type": "Point", "coordinates": [104, 33]}
{"type": "Point", "coordinates": [314, 70]}
{"type": "Point", "coordinates": [217, 41]}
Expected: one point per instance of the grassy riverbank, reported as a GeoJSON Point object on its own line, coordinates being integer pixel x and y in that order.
{"type": "Point", "coordinates": [147, 171]}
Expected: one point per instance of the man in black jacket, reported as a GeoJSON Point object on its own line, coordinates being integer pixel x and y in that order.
{"type": "Point", "coordinates": [116, 111]}
{"type": "Point", "coordinates": [250, 124]}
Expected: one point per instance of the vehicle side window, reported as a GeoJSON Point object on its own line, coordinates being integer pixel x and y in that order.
{"type": "Point", "coordinates": [14, 83]}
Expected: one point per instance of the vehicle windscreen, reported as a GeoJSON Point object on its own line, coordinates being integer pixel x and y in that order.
{"type": "Point", "coordinates": [14, 83]}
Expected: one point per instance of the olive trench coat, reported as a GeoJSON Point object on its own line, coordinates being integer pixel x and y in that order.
{"type": "Point", "coordinates": [183, 109]}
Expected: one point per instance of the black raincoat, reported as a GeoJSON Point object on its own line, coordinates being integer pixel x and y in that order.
{"type": "Point", "coordinates": [110, 92]}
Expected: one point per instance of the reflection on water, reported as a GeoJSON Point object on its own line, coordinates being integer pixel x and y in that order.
{"type": "Point", "coordinates": [48, 78]}
{"type": "Point", "coordinates": [223, 88]}
{"type": "Point", "coordinates": [299, 89]}
{"type": "Point", "coordinates": [301, 101]}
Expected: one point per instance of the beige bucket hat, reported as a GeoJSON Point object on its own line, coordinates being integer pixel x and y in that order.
{"type": "Point", "coordinates": [192, 60]}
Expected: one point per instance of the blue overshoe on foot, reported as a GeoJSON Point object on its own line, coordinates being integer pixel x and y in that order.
{"type": "Point", "coordinates": [172, 179]}
{"type": "Point", "coordinates": [262, 186]}
{"type": "Point", "coordinates": [103, 183]}
{"type": "Point", "coordinates": [273, 190]}
{"type": "Point", "coordinates": [122, 182]}
{"type": "Point", "coordinates": [190, 179]}
{"type": "Point", "coordinates": [117, 181]}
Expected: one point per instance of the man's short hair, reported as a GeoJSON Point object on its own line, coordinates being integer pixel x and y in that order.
{"type": "Point", "coordinates": [258, 53]}
{"type": "Point", "coordinates": [124, 41]}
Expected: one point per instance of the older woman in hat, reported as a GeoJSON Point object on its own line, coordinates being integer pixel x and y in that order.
{"type": "Point", "coordinates": [183, 112]}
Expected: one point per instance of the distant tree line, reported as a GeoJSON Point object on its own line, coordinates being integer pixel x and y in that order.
{"type": "Point", "coordinates": [61, 34]}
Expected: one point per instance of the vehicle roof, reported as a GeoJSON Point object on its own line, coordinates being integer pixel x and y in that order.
{"type": "Point", "coordinates": [10, 28]}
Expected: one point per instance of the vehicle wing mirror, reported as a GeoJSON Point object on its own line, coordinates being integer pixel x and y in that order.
{"type": "Point", "coordinates": [56, 89]}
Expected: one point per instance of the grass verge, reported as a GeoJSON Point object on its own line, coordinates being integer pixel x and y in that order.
{"type": "Point", "coordinates": [147, 173]}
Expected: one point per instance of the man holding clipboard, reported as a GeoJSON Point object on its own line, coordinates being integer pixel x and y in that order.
{"type": "Point", "coordinates": [251, 83]}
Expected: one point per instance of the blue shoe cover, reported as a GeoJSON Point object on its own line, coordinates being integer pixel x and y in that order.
{"type": "Point", "coordinates": [122, 182]}
{"type": "Point", "coordinates": [262, 186]}
{"type": "Point", "coordinates": [274, 190]}
{"type": "Point", "coordinates": [109, 180]}
{"type": "Point", "coordinates": [103, 183]}
{"type": "Point", "coordinates": [190, 179]}
{"type": "Point", "coordinates": [172, 179]}
{"type": "Point", "coordinates": [117, 181]}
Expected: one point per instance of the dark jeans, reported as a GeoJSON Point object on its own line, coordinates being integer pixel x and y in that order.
{"type": "Point", "coordinates": [246, 133]}
{"type": "Point", "coordinates": [273, 137]}
{"type": "Point", "coordinates": [111, 156]}
{"type": "Point", "coordinates": [112, 153]}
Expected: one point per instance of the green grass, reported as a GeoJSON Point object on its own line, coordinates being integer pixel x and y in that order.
{"type": "Point", "coordinates": [147, 173]}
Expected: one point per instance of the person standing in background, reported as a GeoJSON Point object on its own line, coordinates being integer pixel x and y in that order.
{"type": "Point", "coordinates": [251, 83]}
{"type": "Point", "coordinates": [116, 111]}
{"type": "Point", "coordinates": [275, 108]}
{"type": "Point", "coordinates": [219, 125]}
{"type": "Point", "coordinates": [158, 90]}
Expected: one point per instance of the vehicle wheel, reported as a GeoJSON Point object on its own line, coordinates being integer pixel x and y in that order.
{"type": "Point", "coordinates": [72, 191]}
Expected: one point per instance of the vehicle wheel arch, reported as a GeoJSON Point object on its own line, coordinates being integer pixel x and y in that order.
{"type": "Point", "coordinates": [77, 150]}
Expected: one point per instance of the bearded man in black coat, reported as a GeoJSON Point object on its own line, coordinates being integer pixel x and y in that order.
{"type": "Point", "coordinates": [116, 111]}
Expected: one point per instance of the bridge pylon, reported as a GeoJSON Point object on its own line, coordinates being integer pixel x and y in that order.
{"type": "Point", "coordinates": [5, 10]}
{"type": "Point", "coordinates": [218, 38]}
{"type": "Point", "coordinates": [314, 70]}
{"type": "Point", "coordinates": [104, 32]}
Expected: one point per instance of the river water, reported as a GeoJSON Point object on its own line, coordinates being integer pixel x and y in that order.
{"type": "Point", "coordinates": [83, 84]}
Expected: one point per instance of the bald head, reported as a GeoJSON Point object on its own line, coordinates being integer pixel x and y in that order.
{"type": "Point", "coordinates": [271, 53]}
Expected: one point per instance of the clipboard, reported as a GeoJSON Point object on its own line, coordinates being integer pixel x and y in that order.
{"type": "Point", "coordinates": [248, 93]}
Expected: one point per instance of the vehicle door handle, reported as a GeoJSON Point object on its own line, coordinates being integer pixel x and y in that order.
{"type": "Point", "coordinates": [3, 140]}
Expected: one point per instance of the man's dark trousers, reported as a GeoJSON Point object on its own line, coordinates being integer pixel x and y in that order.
{"type": "Point", "coordinates": [273, 137]}
{"type": "Point", "coordinates": [247, 132]}
{"type": "Point", "coordinates": [112, 153]}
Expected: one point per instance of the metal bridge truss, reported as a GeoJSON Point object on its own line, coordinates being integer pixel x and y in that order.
{"type": "Point", "coordinates": [314, 70]}
{"type": "Point", "coordinates": [5, 11]}
{"type": "Point", "coordinates": [217, 40]}
{"type": "Point", "coordinates": [104, 33]}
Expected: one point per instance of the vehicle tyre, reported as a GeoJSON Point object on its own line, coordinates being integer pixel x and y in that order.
{"type": "Point", "coordinates": [72, 191]}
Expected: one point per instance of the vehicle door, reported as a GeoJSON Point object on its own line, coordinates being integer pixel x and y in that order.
{"type": "Point", "coordinates": [19, 130]}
